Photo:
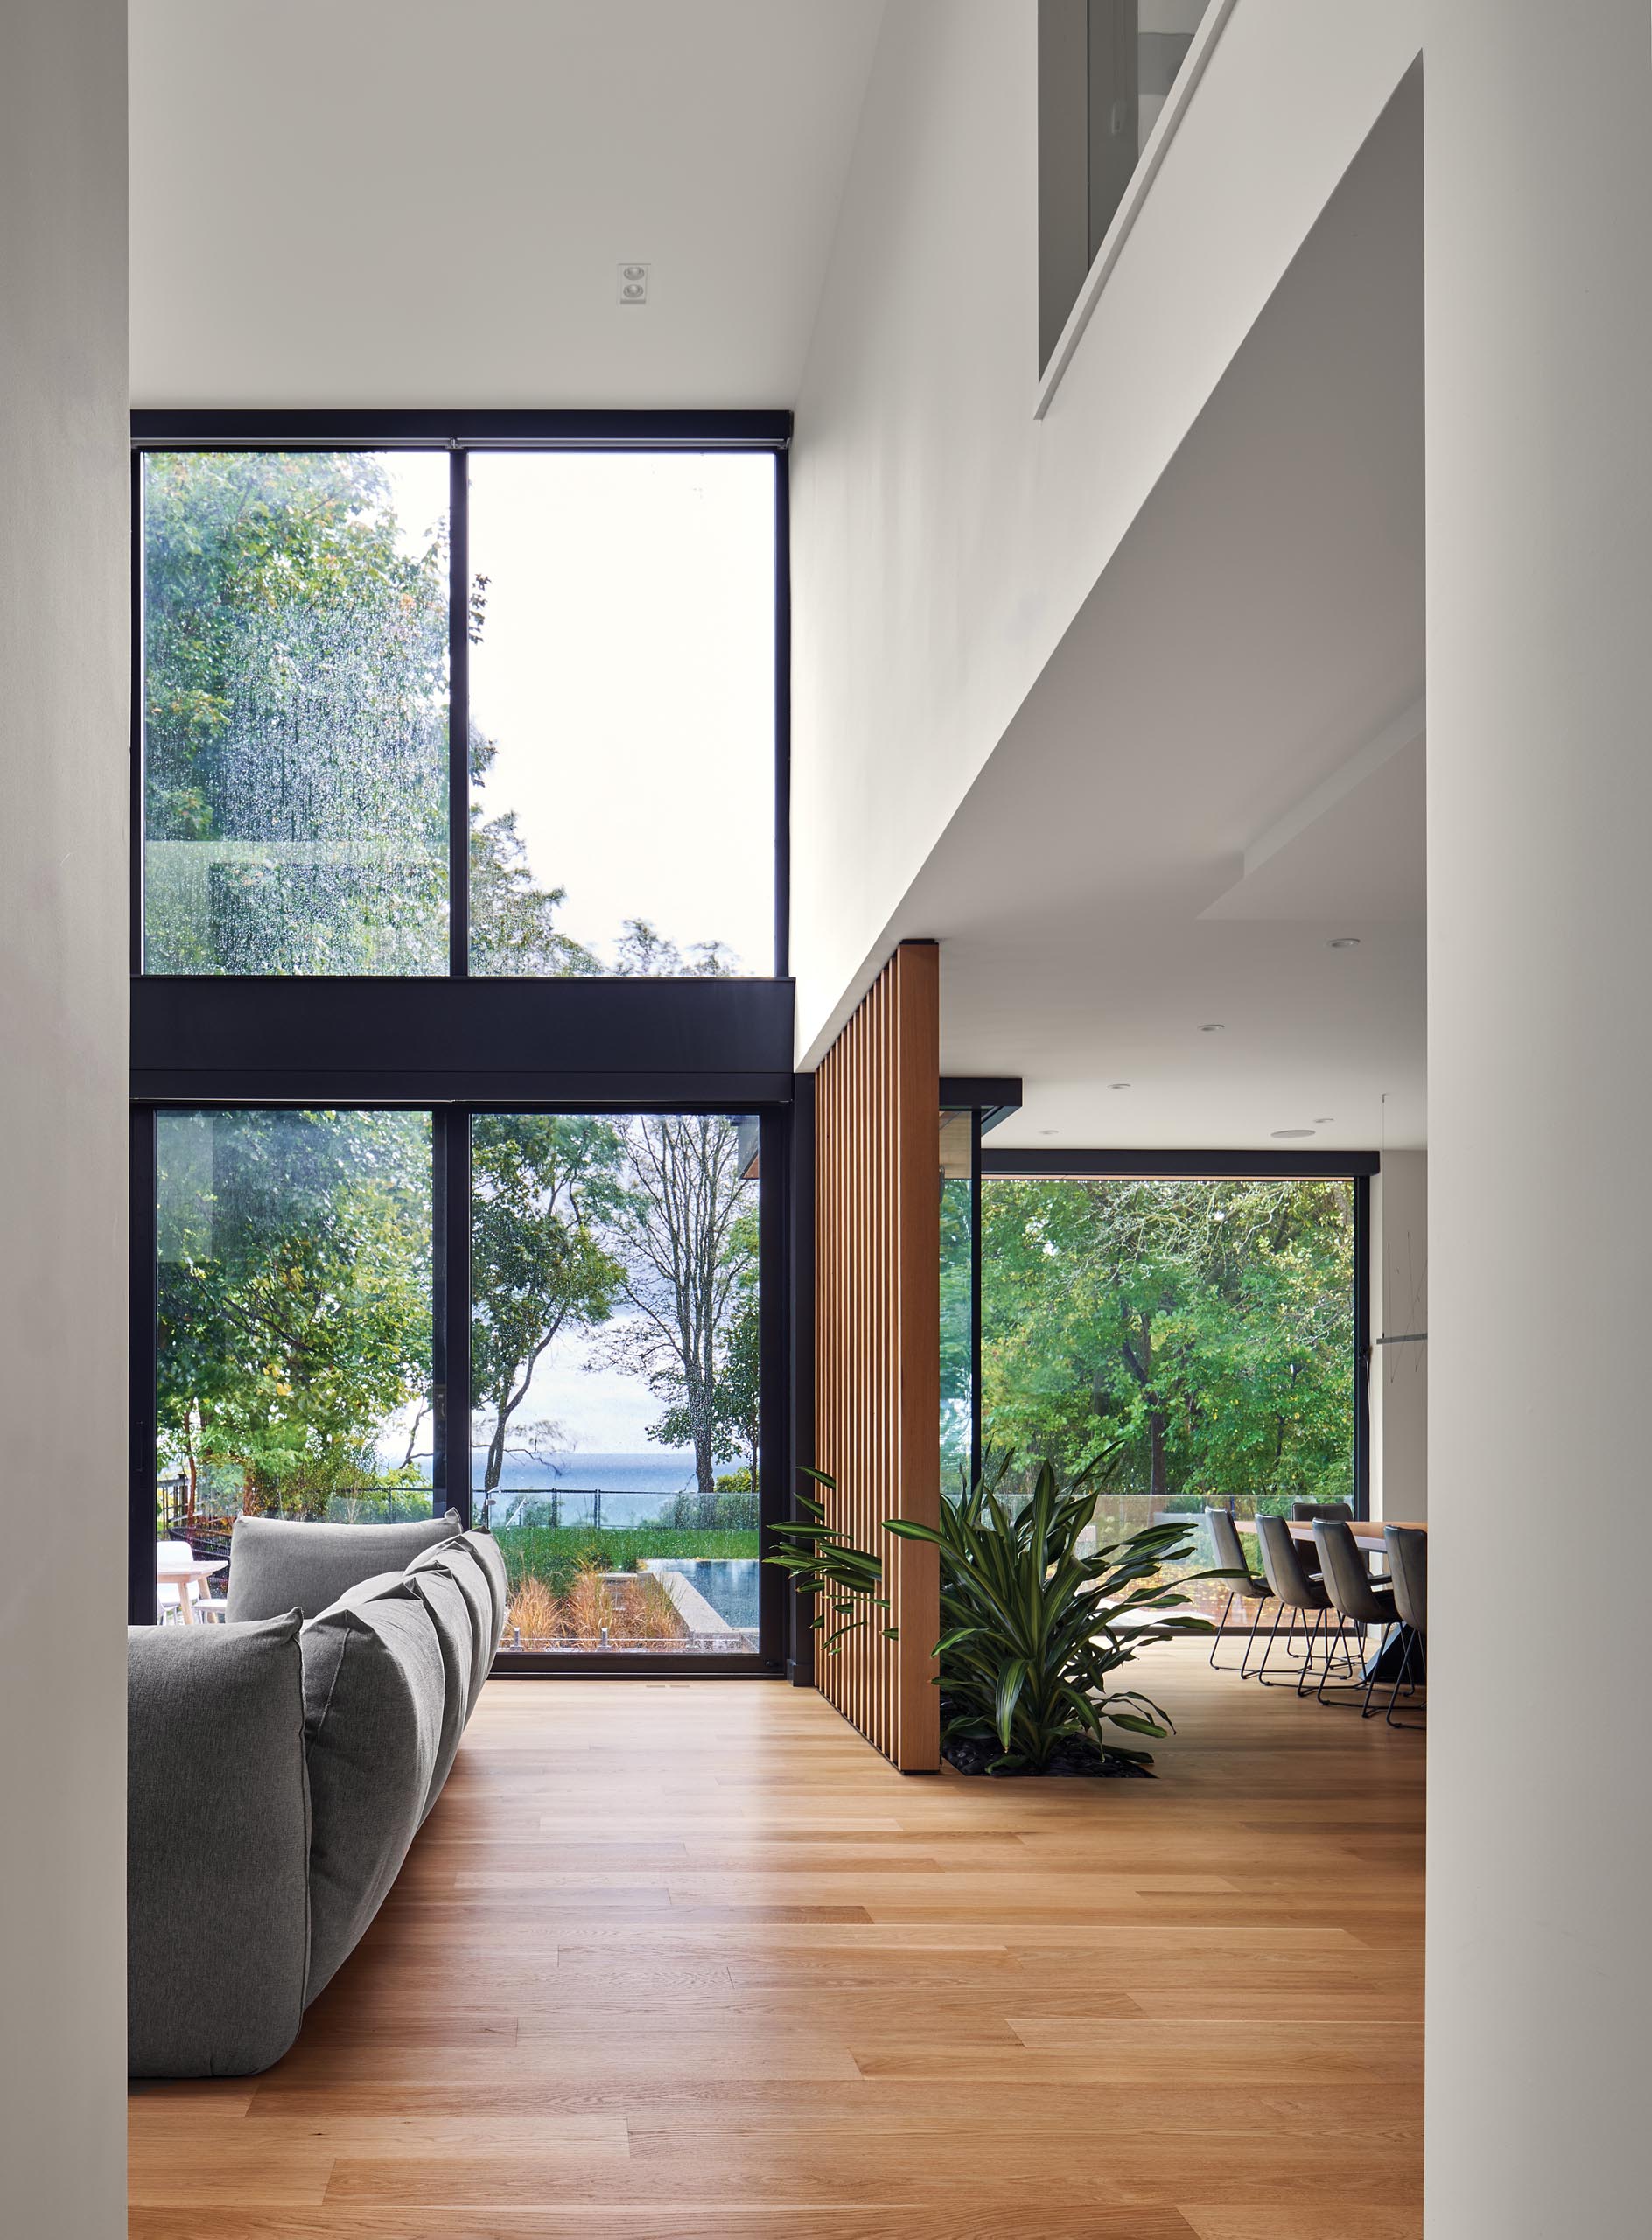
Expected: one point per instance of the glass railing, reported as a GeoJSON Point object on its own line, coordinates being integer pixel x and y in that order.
{"type": "Point", "coordinates": [606, 1568]}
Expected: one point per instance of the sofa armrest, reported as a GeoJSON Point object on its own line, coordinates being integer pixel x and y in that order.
{"type": "Point", "coordinates": [218, 1847]}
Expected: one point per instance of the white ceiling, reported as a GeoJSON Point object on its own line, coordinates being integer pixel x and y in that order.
{"type": "Point", "coordinates": [1221, 769]}
{"type": "Point", "coordinates": [414, 202]}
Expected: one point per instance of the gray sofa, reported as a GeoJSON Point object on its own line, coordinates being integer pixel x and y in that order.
{"type": "Point", "coordinates": [280, 1765]}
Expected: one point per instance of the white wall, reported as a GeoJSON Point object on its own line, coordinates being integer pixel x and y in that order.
{"type": "Point", "coordinates": [1539, 323]}
{"type": "Point", "coordinates": [944, 540]}
{"type": "Point", "coordinates": [63, 735]}
{"type": "Point", "coordinates": [380, 203]}
{"type": "Point", "coordinates": [1399, 1305]}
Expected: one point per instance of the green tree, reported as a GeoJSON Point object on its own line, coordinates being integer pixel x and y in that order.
{"type": "Point", "coordinates": [685, 1236]}
{"type": "Point", "coordinates": [545, 1187]}
{"type": "Point", "coordinates": [294, 1297]}
{"type": "Point", "coordinates": [1198, 1336]}
{"type": "Point", "coordinates": [642, 952]}
{"type": "Point", "coordinates": [735, 1407]}
{"type": "Point", "coordinates": [295, 710]}
{"type": "Point", "coordinates": [296, 719]}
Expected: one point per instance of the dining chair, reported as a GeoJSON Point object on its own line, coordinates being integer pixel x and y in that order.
{"type": "Point", "coordinates": [1358, 1600]}
{"type": "Point", "coordinates": [1407, 1562]}
{"type": "Point", "coordinates": [169, 1596]}
{"type": "Point", "coordinates": [1230, 1557]}
{"type": "Point", "coordinates": [1295, 1587]}
{"type": "Point", "coordinates": [1310, 1512]}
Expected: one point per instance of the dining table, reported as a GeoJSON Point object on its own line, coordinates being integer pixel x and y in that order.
{"type": "Point", "coordinates": [1368, 1533]}
{"type": "Point", "coordinates": [1368, 1530]}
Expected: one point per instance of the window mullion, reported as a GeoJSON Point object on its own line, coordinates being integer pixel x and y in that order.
{"type": "Point", "coordinates": [458, 722]}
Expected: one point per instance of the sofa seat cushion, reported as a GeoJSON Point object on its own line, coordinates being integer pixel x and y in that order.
{"type": "Point", "coordinates": [463, 1563]}
{"type": "Point", "coordinates": [277, 1563]}
{"type": "Point", "coordinates": [374, 1698]}
{"type": "Point", "coordinates": [217, 1848]}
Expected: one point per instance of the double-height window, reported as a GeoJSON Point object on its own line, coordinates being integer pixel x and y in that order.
{"type": "Point", "coordinates": [461, 1034]}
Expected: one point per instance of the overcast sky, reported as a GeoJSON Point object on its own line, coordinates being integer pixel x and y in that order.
{"type": "Point", "coordinates": [625, 671]}
{"type": "Point", "coordinates": [626, 674]}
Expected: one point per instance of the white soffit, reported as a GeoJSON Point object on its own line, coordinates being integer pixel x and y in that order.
{"type": "Point", "coordinates": [1354, 847]}
{"type": "Point", "coordinates": [1209, 783]}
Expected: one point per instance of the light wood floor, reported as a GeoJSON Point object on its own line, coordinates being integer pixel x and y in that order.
{"type": "Point", "coordinates": [689, 1959]}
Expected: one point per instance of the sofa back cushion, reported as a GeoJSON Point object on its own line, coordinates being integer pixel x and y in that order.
{"type": "Point", "coordinates": [277, 1565]}
{"type": "Point", "coordinates": [217, 1849]}
{"type": "Point", "coordinates": [486, 1549]}
{"type": "Point", "coordinates": [375, 1701]}
{"type": "Point", "coordinates": [455, 1636]}
{"type": "Point", "coordinates": [463, 1564]}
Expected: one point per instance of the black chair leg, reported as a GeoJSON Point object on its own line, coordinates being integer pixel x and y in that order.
{"type": "Point", "coordinates": [1347, 1665]}
{"type": "Point", "coordinates": [1347, 1703]}
{"type": "Point", "coordinates": [1221, 1623]}
{"type": "Point", "coordinates": [1245, 1672]}
{"type": "Point", "coordinates": [1408, 1725]}
{"type": "Point", "coordinates": [1306, 1673]}
{"type": "Point", "coordinates": [1376, 1666]}
{"type": "Point", "coordinates": [1262, 1669]}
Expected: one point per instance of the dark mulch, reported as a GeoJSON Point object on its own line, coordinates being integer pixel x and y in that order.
{"type": "Point", "coordinates": [1073, 1757]}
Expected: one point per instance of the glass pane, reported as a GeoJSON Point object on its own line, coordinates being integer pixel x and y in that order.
{"type": "Point", "coordinates": [1196, 1337]}
{"type": "Point", "coordinates": [622, 703]}
{"type": "Point", "coordinates": [1137, 50]}
{"type": "Point", "coordinates": [295, 709]}
{"type": "Point", "coordinates": [957, 1297]}
{"type": "Point", "coordinates": [615, 1351]}
{"type": "Point", "coordinates": [295, 1289]}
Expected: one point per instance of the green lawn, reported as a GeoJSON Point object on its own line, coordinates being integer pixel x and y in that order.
{"type": "Point", "coordinates": [554, 1552]}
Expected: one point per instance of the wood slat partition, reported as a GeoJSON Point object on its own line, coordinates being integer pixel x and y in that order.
{"type": "Point", "coordinates": [877, 1339]}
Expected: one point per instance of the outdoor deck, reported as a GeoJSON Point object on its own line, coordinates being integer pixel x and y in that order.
{"type": "Point", "coordinates": [685, 1958]}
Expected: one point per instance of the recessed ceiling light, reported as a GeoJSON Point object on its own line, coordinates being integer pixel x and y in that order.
{"type": "Point", "coordinates": [1118, 1084]}
{"type": "Point", "coordinates": [1325, 1120]}
{"type": "Point", "coordinates": [1344, 940]}
{"type": "Point", "coordinates": [1046, 1132]}
{"type": "Point", "coordinates": [1283, 1134]}
{"type": "Point", "coordinates": [1214, 1026]}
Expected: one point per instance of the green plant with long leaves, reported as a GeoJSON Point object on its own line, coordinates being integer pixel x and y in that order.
{"type": "Point", "coordinates": [1033, 1631]}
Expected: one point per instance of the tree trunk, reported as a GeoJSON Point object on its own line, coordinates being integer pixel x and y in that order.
{"type": "Point", "coordinates": [1158, 1474]}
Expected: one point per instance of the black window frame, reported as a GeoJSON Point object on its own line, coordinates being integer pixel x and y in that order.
{"type": "Point", "coordinates": [456, 1044]}
{"type": "Point", "coordinates": [1355, 1167]}
{"type": "Point", "coordinates": [460, 434]}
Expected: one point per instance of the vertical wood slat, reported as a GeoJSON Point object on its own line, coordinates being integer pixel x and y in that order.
{"type": "Point", "coordinates": [877, 1339]}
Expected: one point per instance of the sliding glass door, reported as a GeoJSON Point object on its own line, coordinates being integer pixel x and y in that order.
{"type": "Point", "coordinates": [616, 1377]}
{"type": "Point", "coordinates": [610, 1309]}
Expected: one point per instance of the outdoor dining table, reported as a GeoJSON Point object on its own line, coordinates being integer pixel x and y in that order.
{"type": "Point", "coordinates": [170, 1570]}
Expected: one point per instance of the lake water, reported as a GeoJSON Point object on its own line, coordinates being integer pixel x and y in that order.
{"type": "Point", "coordinates": [634, 1488]}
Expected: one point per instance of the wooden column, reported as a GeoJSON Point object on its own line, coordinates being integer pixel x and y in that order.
{"type": "Point", "coordinates": [877, 1339]}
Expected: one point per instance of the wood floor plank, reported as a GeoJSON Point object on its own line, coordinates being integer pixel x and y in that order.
{"type": "Point", "coordinates": [689, 1958]}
